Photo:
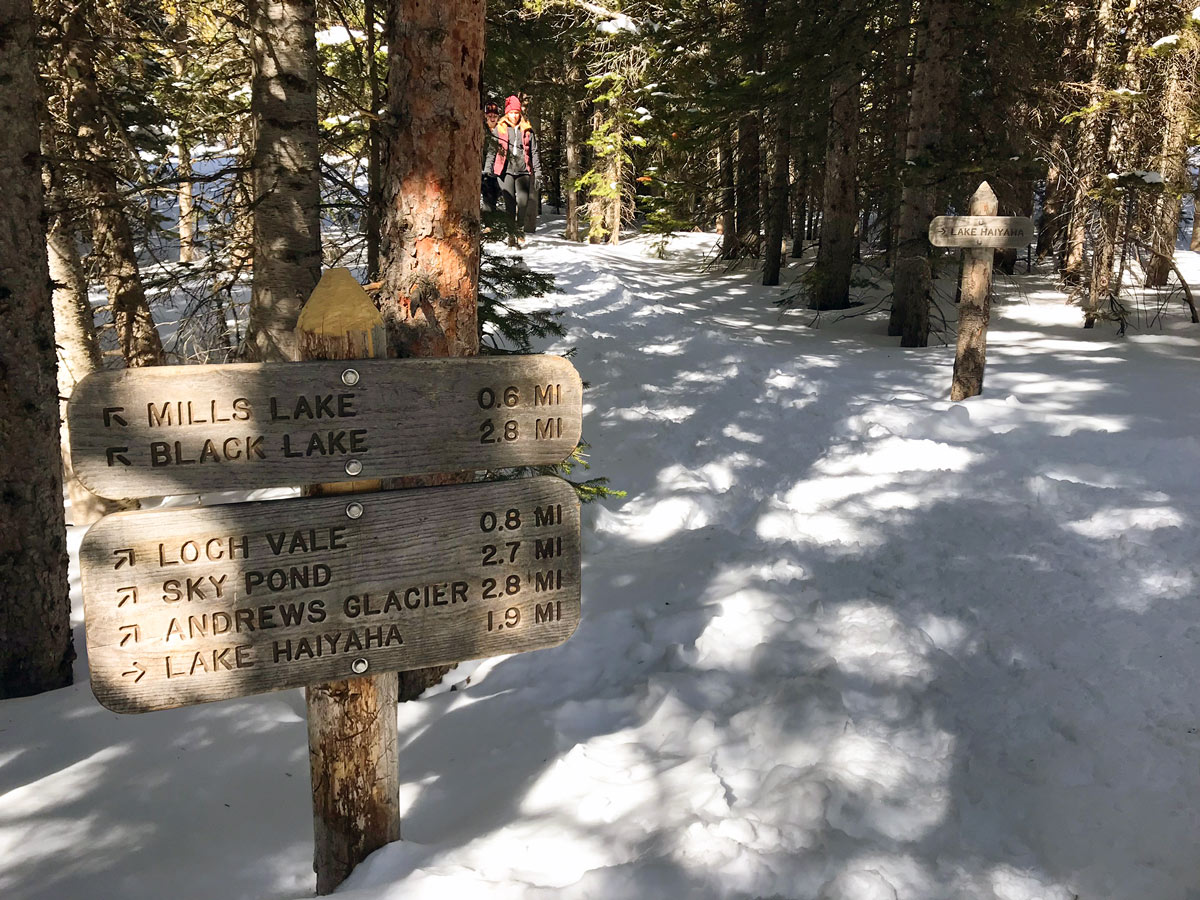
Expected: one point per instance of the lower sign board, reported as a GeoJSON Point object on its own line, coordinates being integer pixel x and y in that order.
{"type": "Point", "coordinates": [189, 605]}
{"type": "Point", "coordinates": [981, 231]}
{"type": "Point", "coordinates": [183, 429]}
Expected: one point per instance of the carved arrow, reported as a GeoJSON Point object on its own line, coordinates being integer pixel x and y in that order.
{"type": "Point", "coordinates": [136, 670]}
{"type": "Point", "coordinates": [132, 632]}
{"type": "Point", "coordinates": [111, 414]}
{"type": "Point", "coordinates": [115, 454]}
{"type": "Point", "coordinates": [128, 593]}
{"type": "Point", "coordinates": [123, 557]}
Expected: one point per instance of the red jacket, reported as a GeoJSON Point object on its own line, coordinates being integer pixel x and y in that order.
{"type": "Point", "coordinates": [532, 163]}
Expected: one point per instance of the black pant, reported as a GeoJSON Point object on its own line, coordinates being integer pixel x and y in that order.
{"type": "Point", "coordinates": [515, 191]}
{"type": "Point", "coordinates": [491, 193]}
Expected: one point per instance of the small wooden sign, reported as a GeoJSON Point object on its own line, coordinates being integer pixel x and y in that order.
{"type": "Point", "coordinates": [183, 429]}
{"type": "Point", "coordinates": [981, 231]}
{"type": "Point", "coordinates": [190, 605]}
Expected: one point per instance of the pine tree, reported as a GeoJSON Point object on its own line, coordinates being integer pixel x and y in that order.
{"type": "Point", "coordinates": [35, 628]}
{"type": "Point", "coordinates": [286, 178]}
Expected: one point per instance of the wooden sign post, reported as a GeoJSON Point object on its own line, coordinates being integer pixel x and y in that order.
{"type": "Point", "coordinates": [352, 731]}
{"type": "Point", "coordinates": [341, 590]}
{"type": "Point", "coordinates": [980, 234]}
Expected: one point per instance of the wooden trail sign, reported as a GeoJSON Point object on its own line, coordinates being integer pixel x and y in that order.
{"type": "Point", "coordinates": [171, 429]}
{"type": "Point", "coordinates": [189, 605]}
{"type": "Point", "coordinates": [992, 231]}
{"type": "Point", "coordinates": [974, 306]}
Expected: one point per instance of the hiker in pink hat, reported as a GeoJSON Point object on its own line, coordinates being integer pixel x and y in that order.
{"type": "Point", "coordinates": [514, 159]}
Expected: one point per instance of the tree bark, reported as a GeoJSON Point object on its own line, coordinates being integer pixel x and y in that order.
{"type": "Point", "coordinates": [112, 238]}
{"type": "Point", "coordinates": [614, 176]}
{"type": "Point", "coordinates": [749, 173]}
{"type": "Point", "coordinates": [730, 247]}
{"type": "Point", "coordinates": [374, 142]}
{"type": "Point", "coordinates": [187, 204]}
{"type": "Point", "coordinates": [597, 211]}
{"type": "Point", "coordinates": [799, 195]}
{"type": "Point", "coordinates": [1050, 228]}
{"type": "Point", "coordinates": [431, 194]}
{"type": "Point", "coordinates": [574, 142]}
{"type": "Point", "coordinates": [1194, 244]}
{"type": "Point", "coordinates": [78, 351]}
{"type": "Point", "coordinates": [1103, 253]}
{"type": "Point", "coordinates": [778, 202]}
{"type": "Point", "coordinates": [830, 277]}
{"type": "Point", "coordinates": [35, 608]}
{"type": "Point", "coordinates": [1090, 144]}
{"type": "Point", "coordinates": [898, 120]}
{"type": "Point", "coordinates": [431, 190]}
{"type": "Point", "coordinates": [927, 123]}
{"type": "Point", "coordinates": [286, 186]}
{"type": "Point", "coordinates": [533, 207]}
{"type": "Point", "coordinates": [1172, 162]}
{"type": "Point", "coordinates": [1016, 200]}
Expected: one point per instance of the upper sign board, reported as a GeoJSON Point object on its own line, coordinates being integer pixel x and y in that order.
{"type": "Point", "coordinates": [997, 232]}
{"type": "Point", "coordinates": [184, 606]}
{"type": "Point", "coordinates": [184, 429]}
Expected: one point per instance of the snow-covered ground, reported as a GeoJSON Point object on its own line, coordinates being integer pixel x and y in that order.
{"type": "Point", "coordinates": [843, 640]}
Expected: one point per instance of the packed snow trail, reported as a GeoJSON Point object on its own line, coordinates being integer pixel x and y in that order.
{"type": "Point", "coordinates": [843, 640]}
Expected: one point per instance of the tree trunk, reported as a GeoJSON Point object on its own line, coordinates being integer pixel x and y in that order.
{"type": "Point", "coordinates": [75, 340]}
{"type": "Point", "coordinates": [187, 204]}
{"type": "Point", "coordinates": [830, 278]}
{"type": "Point", "coordinates": [799, 196]}
{"type": "Point", "coordinates": [1090, 144]}
{"type": "Point", "coordinates": [554, 167]}
{"type": "Point", "coordinates": [778, 202]}
{"type": "Point", "coordinates": [927, 123]}
{"type": "Point", "coordinates": [597, 211]}
{"type": "Point", "coordinates": [285, 176]}
{"type": "Point", "coordinates": [35, 607]}
{"type": "Point", "coordinates": [614, 177]}
{"type": "Point", "coordinates": [1103, 254]}
{"type": "Point", "coordinates": [749, 166]}
{"type": "Point", "coordinates": [898, 121]}
{"type": "Point", "coordinates": [112, 238]}
{"type": "Point", "coordinates": [431, 192]}
{"type": "Point", "coordinates": [1172, 162]}
{"type": "Point", "coordinates": [574, 141]}
{"type": "Point", "coordinates": [1016, 199]}
{"type": "Point", "coordinates": [730, 248]}
{"type": "Point", "coordinates": [1050, 229]}
{"type": "Point", "coordinates": [374, 142]}
{"type": "Point", "coordinates": [1194, 244]}
{"type": "Point", "coordinates": [534, 207]}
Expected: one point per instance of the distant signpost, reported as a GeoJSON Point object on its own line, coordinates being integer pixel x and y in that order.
{"type": "Point", "coordinates": [186, 606]}
{"type": "Point", "coordinates": [186, 429]}
{"type": "Point", "coordinates": [980, 233]}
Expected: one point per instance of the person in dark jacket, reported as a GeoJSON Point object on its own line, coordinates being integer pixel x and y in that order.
{"type": "Point", "coordinates": [490, 184]}
{"type": "Point", "coordinates": [514, 160]}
